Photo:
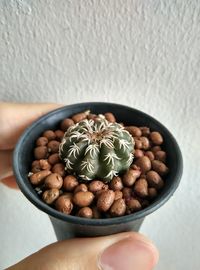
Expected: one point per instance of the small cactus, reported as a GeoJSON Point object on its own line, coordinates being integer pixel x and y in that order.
{"type": "Point", "coordinates": [96, 149]}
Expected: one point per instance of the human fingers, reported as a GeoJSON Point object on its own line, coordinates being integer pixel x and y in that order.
{"type": "Point", "coordinates": [15, 117]}
{"type": "Point", "coordinates": [10, 182]}
{"type": "Point", "coordinates": [6, 174]}
{"type": "Point", "coordinates": [130, 251]}
{"type": "Point", "coordinates": [5, 163]}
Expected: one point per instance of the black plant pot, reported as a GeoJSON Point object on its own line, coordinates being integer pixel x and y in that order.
{"type": "Point", "coordinates": [67, 226]}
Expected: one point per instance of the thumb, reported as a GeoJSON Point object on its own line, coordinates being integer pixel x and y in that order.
{"type": "Point", "coordinates": [130, 251]}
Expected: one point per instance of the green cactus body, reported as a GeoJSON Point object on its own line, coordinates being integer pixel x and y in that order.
{"type": "Point", "coordinates": [96, 149]}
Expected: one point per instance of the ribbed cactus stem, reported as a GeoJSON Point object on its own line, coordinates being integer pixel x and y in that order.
{"type": "Point", "coordinates": [96, 149]}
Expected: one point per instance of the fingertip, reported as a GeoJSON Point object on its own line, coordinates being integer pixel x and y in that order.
{"type": "Point", "coordinates": [146, 241]}
{"type": "Point", "coordinates": [10, 182]}
{"type": "Point", "coordinates": [132, 251]}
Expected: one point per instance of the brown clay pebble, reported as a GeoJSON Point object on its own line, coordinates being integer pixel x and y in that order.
{"type": "Point", "coordinates": [159, 167]}
{"type": "Point", "coordinates": [133, 205]}
{"type": "Point", "coordinates": [156, 138]}
{"type": "Point", "coordinates": [68, 195]}
{"type": "Point", "coordinates": [49, 134]}
{"type": "Point", "coordinates": [152, 193]}
{"type": "Point", "coordinates": [44, 164]}
{"type": "Point", "coordinates": [161, 156]}
{"type": "Point", "coordinates": [110, 117]}
{"type": "Point", "coordinates": [116, 183]}
{"type": "Point", "coordinates": [70, 183]}
{"type": "Point", "coordinates": [130, 177]}
{"type": "Point", "coordinates": [35, 163]}
{"type": "Point", "coordinates": [105, 187]}
{"type": "Point", "coordinates": [59, 168]}
{"type": "Point", "coordinates": [40, 152]}
{"type": "Point", "coordinates": [145, 142]}
{"type": "Point", "coordinates": [143, 176]}
{"type": "Point", "coordinates": [59, 134]}
{"type": "Point", "coordinates": [145, 131]}
{"type": "Point", "coordinates": [95, 186]}
{"type": "Point", "coordinates": [38, 178]}
{"type": "Point", "coordinates": [138, 153]}
{"type": "Point", "coordinates": [135, 167]}
{"type": "Point", "coordinates": [134, 131]}
{"type": "Point", "coordinates": [105, 200]}
{"type": "Point", "coordinates": [53, 146]}
{"type": "Point", "coordinates": [118, 208]}
{"type": "Point", "coordinates": [155, 149]}
{"type": "Point", "coordinates": [41, 141]}
{"type": "Point", "coordinates": [35, 166]}
{"type": "Point", "coordinates": [85, 212]}
{"type": "Point", "coordinates": [126, 192]}
{"type": "Point", "coordinates": [144, 163]}
{"type": "Point", "coordinates": [150, 155]}
{"type": "Point", "coordinates": [91, 116]}
{"type": "Point", "coordinates": [81, 187]}
{"type": "Point", "coordinates": [154, 180]}
{"type": "Point", "coordinates": [49, 196]}
{"type": "Point", "coordinates": [138, 143]}
{"type": "Point", "coordinates": [66, 123]}
{"type": "Point", "coordinates": [118, 195]}
{"type": "Point", "coordinates": [96, 213]}
{"type": "Point", "coordinates": [54, 158]}
{"type": "Point", "coordinates": [83, 199]}
{"type": "Point", "coordinates": [35, 169]}
{"type": "Point", "coordinates": [80, 116]}
{"type": "Point", "coordinates": [141, 188]}
{"type": "Point", "coordinates": [64, 204]}
{"type": "Point", "coordinates": [99, 192]}
{"type": "Point", "coordinates": [53, 180]}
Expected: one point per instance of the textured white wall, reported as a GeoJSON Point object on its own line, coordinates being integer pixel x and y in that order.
{"type": "Point", "coordinates": [145, 54]}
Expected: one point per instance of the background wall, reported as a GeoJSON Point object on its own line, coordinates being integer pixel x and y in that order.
{"type": "Point", "coordinates": [141, 53]}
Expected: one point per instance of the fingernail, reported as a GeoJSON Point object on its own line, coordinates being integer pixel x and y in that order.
{"type": "Point", "coordinates": [129, 254]}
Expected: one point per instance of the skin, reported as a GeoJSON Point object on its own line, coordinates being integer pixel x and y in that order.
{"type": "Point", "coordinates": [14, 118]}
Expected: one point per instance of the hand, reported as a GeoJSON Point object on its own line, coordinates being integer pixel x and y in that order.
{"type": "Point", "coordinates": [14, 118]}
{"type": "Point", "coordinates": [120, 251]}
{"type": "Point", "coordinates": [124, 251]}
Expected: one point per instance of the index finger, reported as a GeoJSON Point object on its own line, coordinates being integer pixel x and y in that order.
{"type": "Point", "coordinates": [15, 117]}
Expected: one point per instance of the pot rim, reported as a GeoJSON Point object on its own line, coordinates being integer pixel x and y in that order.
{"type": "Point", "coordinates": [95, 222]}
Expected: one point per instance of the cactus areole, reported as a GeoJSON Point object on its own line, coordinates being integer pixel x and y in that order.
{"type": "Point", "coordinates": [96, 149]}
